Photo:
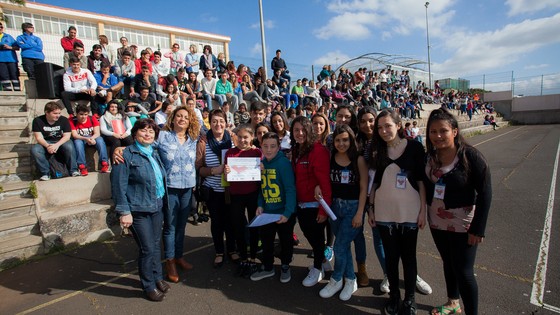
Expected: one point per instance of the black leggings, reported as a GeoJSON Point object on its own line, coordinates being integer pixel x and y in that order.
{"type": "Point", "coordinates": [314, 233]}
{"type": "Point", "coordinates": [239, 220]}
{"type": "Point", "coordinates": [458, 267]}
{"type": "Point", "coordinates": [220, 222]}
{"type": "Point", "coordinates": [399, 242]}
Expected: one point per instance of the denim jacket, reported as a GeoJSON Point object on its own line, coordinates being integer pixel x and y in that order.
{"type": "Point", "coordinates": [133, 183]}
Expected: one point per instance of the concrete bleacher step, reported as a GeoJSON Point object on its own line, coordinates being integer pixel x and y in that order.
{"type": "Point", "coordinates": [12, 102]}
{"type": "Point", "coordinates": [19, 246]}
{"type": "Point", "coordinates": [17, 223]}
{"type": "Point", "coordinates": [78, 224]}
{"type": "Point", "coordinates": [11, 118]}
{"type": "Point", "coordinates": [14, 144]}
{"type": "Point", "coordinates": [20, 129]}
{"type": "Point", "coordinates": [15, 162]}
{"type": "Point", "coordinates": [13, 206]}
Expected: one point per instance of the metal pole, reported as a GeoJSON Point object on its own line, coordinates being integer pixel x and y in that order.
{"type": "Point", "coordinates": [313, 72]}
{"type": "Point", "coordinates": [484, 82]}
{"type": "Point", "coordinates": [542, 82]}
{"type": "Point", "coordinates": [428, 41]}
{"type": "Point", "coordinates": [263, 44]}
{"type": "Point", "coordinates": [512, 83]}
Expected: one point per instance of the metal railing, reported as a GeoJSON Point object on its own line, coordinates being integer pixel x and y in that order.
{"type": "Point", "coordinates": [544, 84]}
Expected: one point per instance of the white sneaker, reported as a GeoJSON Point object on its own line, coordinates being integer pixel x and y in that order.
{"type": "Point", "coordinates": [102, 93]}
{"type": "Point", "coordinates": [422, 286]}
{"type": "Point", "coordinates": [313, 277]}
{"type": "Point", "coordinates": [331, 288]}
{"type": "Point", "coordinates": [384, 286]}
{"type": "Point", "coordinates": [76, 174]}
{"type": "Point", "coordinates": [350, 286]}
{"type": "Point", "coordinates": [45, 178]}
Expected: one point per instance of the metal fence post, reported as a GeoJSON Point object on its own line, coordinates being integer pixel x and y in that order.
{"type": "Point", "coordinates": [542, 79]}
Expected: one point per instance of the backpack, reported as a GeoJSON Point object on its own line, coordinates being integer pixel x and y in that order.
{"type": "Point", "coordinates": [57, 168]}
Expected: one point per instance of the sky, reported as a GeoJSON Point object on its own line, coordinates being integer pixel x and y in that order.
{"type": "Point", "coordinates": [467, 38]}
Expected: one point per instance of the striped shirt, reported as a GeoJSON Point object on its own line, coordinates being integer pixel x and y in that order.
{"type": "Point", "coordinates": [213, 181]}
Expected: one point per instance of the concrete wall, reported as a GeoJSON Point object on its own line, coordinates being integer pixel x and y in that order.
{"type": "Point", "coordinates": [544, 109]}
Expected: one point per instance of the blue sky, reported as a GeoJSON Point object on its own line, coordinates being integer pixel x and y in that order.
{"type": "Point", "coordinates": [467, 37]}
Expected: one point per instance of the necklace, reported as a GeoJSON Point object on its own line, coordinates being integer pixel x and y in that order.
{"type": "Point", "coordinates": [395, 144]}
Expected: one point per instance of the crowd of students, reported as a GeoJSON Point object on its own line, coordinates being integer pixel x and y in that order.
{"type": "Point", "coordinates": [371, 163]}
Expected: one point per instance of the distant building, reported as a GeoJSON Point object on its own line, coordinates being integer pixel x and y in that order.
{"type": "Point", "coordinates": [51, 24]}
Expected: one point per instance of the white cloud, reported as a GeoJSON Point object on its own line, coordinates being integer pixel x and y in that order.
{"type": "Point", "coordinates": [478, 52]}
{"type": "Point", "coordinates": [207, 18]}
{"type": "Point", "coordinates": [256, 50]}
{"type": "Point", "coordinates": [360, 19]}
{"type": "Point", "coordinates": [529, 6]}
{"type": "Point", "coordinates": [333, 58]}
{"type": "Point", "coordinates": [536, 67]}
{"type": "Point", "coordinates": [270, 24]}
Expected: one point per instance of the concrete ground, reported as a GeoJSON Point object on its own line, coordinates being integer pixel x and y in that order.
{"type": "Point", "coordinates": [101, 278]}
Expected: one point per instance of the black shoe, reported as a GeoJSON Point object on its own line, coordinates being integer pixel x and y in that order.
{"type": "Point", "coordinates": [241, 269]}
{"type": "Point", "coordinates": [408, 307]}
{"type": "Point", "coordinates": [392, 307]}
{"type": "Point", "coordinates": [163, 286]}
{"type": "Point", "coordinates": [155, 295]}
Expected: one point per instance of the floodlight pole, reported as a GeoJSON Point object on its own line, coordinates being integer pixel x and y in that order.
{"type": "Point", "coordinates": [263, 42]}
{"type": "Point", "coordinates": [428, 41]}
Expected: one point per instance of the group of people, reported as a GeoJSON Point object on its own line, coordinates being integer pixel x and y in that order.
{"type": "Point", "coordinates": [365, 166]}
{"type": "Point", "coordinates": [369, 164]}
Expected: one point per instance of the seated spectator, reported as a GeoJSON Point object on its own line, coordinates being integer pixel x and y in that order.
{"type": "Point", "coordinates": [194, 87]}
{"type": "Point", "coordinates": [144, 80]}
{"type": "Point", "coordinates": [208, 87]}
{"type": "Point", "coordinates": [278, 64]}
{"type": "Point", "coordinates": [290, 100]}
{"type": "Point", "coordinates": [144, 60]}
{"type": "Point", "coordinates": [96, 58]}
{"type": "Point", "coordinates": [125, 71]}
{"type": "Point", "coordinates": [205, 115]}
{"type": "Point", "coordinates": [31, 49]}
{"type": "Point", "coordinates": [134, 52]}
{"type": "Point", "coordinates": [191, 103]}
{"type": "Point", "coordinates": [115, 127]}
{"type": "Point", "coordinates": [182, 80]}
{"type": "Point", "coordinates": [108, 86]}
{"type": "Point", "coordinates": [208, 61]}
{"type": "Point", "coordinates": [123, 48]}
{"type": "Point", "coordinates": [161, 116]}
{"type": "Point", "coordinates": [224, 92]}
{"type": "Point", "coordinates": [230, 121]}
{"type": "Point", "coordinates": [260, 88]}
{"type": "Point", "coordinates": [230, 68]}
{"type": "Point", "coordinates": [192, 60]}
{"type": "Point", "coordinates": [159, 68]}
{"type": "Point", "coordinates": [79, 84]}
{"type": "Point", "coordinates": [147, 101]}
{"type": "Point", "coordinates": [277, 78]}
{"type": "Point", "coordinates": [274, 92]}
{"type": "Point", "coordinates": [52, 133]}
{"type": "Point", "coordinates": [163, 84]}
{"type": "Point", "coordinates": [241, 116]}
{"type": "Point", "coordinates": [9, 72]}
{"type": "Point", "coordinates": [241, 72]}
{"type": "Point", "coordinates": [175, 59]}
{"type": "Point", "coordinates": [221, 63]}
{"type": "Point", "coordinates": [67, 42]}
{"type": "Point", "coordinates": [78, 52]}
{"type": "Point", "coordinates": [249, 93]}
{"type": "Point", "coordinates": [172, 94]}
{"type": "Point", "coordinates": [107, 50]}
{"type": "Point", "coordinates": [312, 93]}
{"type": "Point", "coordinates": [86, 131]}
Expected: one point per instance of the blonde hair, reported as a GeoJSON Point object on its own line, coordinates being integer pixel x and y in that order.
{"type": "Point", "coordinates": [195, 47]}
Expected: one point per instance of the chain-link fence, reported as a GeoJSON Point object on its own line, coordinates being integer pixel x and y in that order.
{"type": "Point", "coordinates": [521, 86]}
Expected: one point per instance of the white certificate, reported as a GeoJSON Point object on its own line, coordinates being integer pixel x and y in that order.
{"type": "Point", "coordinates": [264, 219]}
{"type": "Point", "coordinates": [327, 209]}
{"type": "Point", "coordinates": [244, 169]}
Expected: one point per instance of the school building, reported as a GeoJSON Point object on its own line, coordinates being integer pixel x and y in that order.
{"type": "Point", "coordinates": [52, 22]}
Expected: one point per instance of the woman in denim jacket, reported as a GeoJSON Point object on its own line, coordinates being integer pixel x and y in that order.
{"type": "Point", "coordinates": [138, 189]}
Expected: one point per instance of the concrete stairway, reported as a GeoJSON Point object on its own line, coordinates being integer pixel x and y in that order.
{"type": "Point", "coordinates": [19, 233]}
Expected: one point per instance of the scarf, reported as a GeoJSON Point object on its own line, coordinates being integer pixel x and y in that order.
{"type": "Point", "coordinates": [216, 146]}
{"type": "Point", "coordinates": [208, 60]}
{"type": "Point", "coordinates": [148, 150]}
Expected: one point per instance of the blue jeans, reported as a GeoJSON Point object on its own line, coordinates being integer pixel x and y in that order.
{"type": "Point", "coordinates": [360, 245]}
{"type": "Point", "coordinates": [345, 210]}
{"type": "Point", "coordinates": [291, 97]}
{"type": "Point", "coordinates": [175, 217]}
{"type": "Point", "coordinates": [208, 99]}
{"type": "Point", "coordinates": [378, 246]}
{"type": "Point", "coordinates": [81, 150]}
{"type": "Point", "coordinates": [146, 229]}
{"type": "Point", "coordinates": [41, 156]}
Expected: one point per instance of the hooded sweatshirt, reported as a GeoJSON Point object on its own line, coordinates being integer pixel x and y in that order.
{"type": "Point", "coordinates": [77, 82]}
{"type": "Point", "coordinates": [278, 193]}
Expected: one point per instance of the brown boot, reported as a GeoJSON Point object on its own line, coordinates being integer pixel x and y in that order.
{"type": "Point", "coordinates": [363, 279]}
{"type": "Point", "coordinates": [171, 270]}
{"type": "Point", "coordinates": [181, 262]}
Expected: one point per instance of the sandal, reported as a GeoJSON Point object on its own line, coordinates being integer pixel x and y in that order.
{"type": "Point", "coordinates": [446, 309]}
{"type": "Point", "coordinates": [219, 260]}
{"type": "Point", "coordinates": [234, 257]}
